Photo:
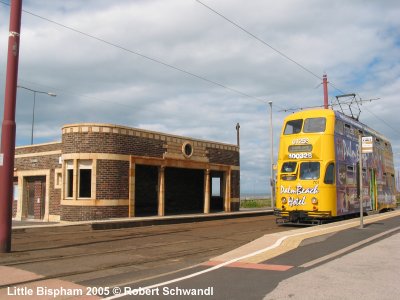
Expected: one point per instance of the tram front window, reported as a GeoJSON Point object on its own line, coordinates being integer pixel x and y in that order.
{"type": "Point", "coordinates": [309, 170]}
{"type": "Point", "coordinates": [289, 167]}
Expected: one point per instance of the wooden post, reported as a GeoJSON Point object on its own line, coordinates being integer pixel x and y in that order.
{"type": "Point", "coordinates": [207, 191]}
{"type": "Point", "coordinates": [227, 191]}
{"type": "Point", "coordinates": [132, 182]}
{"type": "Point", "coordinates": [161, 191]}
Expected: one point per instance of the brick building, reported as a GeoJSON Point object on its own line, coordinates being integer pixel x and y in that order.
{"type": "Point", "coordinates": [101, 171]}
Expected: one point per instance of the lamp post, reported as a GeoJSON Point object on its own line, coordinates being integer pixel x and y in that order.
{"type": "Point", "coordinates": [272, 157]}
{"type": "Point", "coordinates": [34, 103]}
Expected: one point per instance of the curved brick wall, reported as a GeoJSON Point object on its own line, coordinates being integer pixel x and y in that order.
{"type": "Point", "coordinates": [112, 179]}
{"type": "Point", "coordinates": [101, 142]}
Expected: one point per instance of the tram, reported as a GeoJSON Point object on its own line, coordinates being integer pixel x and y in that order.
{"type": "Point", "coordinates": [318, 172]}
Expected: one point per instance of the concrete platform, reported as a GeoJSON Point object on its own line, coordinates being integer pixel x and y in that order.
{"type": "Point", "coordinates": [273, 245]}
{"type": "Point", "coordinates": [143, 221]}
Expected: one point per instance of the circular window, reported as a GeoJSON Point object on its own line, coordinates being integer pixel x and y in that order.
{"type": "Point", "coordinates": [187, 149]}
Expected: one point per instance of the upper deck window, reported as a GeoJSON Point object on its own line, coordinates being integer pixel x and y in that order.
{"type": "Point", "coordinates": [339, 126]}
{"type": "Point", "coordinates": [314, 125]}
{"type": "Point", "coordinates": [293, 126]}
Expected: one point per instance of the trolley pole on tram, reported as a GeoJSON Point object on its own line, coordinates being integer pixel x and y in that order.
{"type": "Point", "coordinates": [9, 128]}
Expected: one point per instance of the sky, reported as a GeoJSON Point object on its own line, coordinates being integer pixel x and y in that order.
{"type": "Point", "coordinates": [212, 75]}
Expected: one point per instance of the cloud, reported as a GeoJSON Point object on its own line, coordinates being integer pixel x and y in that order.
{"type": "Point", "coordinates": [355, 42]}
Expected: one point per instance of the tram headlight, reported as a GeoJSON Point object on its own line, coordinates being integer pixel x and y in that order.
{"type": "Point", "coordinates": [284, 201]}
{"type": "Point", "coordinates": [314, 200]}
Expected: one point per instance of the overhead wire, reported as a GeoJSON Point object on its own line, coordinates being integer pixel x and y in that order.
{"type": "Point", "coordinates": [259, 39]}
{"type": "Point", "coordinates": [383, 121]}
{"type": "Point", "coordinates": [266, 44]}
{"type": "Point", "coordinates": [285, 56]}
{"type": "Point", "coordinates": [147, 57]}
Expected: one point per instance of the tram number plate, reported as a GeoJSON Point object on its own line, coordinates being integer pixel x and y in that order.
{"type": "Point", "coordinates": [300, 155]}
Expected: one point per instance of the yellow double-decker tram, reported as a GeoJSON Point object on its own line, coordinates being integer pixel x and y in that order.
{"type": "Point", "coordinates": [318, 171]}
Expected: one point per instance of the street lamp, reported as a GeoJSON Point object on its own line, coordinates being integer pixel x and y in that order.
{"type": "Point", "coordinates": [272, 157]}
{"type": "Point", "coordinates": [34, 103]}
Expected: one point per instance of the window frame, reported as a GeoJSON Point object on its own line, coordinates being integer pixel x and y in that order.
{"type": "Point", "coordinates": [310, 120]}
{"type": "Point", "coordinates": [333, 177]}
{"type": "Point", "coordinates": [302, 175]}
{"type": "Point", "coordinates": [289, 123]}
{"type": "Point", "coordinates": [69, 179]}
{"type": "Point", "coordinates": [84, 164]}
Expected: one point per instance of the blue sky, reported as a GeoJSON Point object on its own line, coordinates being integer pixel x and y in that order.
{"type": "Point", "coordinates": [355, 42]}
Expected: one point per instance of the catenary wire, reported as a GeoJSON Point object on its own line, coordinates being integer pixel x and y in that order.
{"type": "Point", "coordinates": [266, 44]}
{"type": "Point", "coordinates": [155, 60]}
{"type": "Point", "coordinates": [286, 57]}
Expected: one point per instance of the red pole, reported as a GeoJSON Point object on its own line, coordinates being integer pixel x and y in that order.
{"type": "Point", "coordinates": [325, 84]}
{"type": "Point", "coordinates": [8, 128]}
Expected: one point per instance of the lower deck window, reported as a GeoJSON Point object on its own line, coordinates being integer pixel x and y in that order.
{"type": "Point", "coordinates": [330, 174]}
{"type": "Point", "coordinates": [309, 170]}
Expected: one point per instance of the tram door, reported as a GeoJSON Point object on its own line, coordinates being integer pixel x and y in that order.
{"type": "Point", "coordinates": [372, 189]}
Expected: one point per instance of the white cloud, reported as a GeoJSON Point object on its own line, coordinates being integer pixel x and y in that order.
{"type": "Point", "coordinates": [355, 42]}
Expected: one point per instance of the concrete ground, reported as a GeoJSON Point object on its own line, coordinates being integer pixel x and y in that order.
{"type": "Point", "coordinates": [332, 261]}
{"type": "Point", "coordinates": [369, 273]}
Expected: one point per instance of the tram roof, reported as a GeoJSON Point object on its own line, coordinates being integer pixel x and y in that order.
{"type": "Point", "coordinates": [321, 112]}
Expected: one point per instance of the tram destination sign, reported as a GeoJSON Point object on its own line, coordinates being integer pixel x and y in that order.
{"type": "Point", "coordinates": [367, 144]}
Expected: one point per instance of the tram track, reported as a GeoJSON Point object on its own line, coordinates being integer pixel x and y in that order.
{"type": "Point", "coordinates": [86, 255]}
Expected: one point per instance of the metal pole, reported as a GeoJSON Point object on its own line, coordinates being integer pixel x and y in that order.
{"type": "Point", "coordinates": [34, 104]}
{"type": "Point", "coordinates": [33, 115]}
{"type": "Point", "coordinates": [238, 134]}
{"type": "Point", "coordinates": [325, 85]}
{"type": "Point", "coordinates": [361, 183]}
{"type": "Point", "coordinates": [272, 157]}
{"type": "Point", "coordinates": [8, 128]}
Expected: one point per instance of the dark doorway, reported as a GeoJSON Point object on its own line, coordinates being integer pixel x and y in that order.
{"type": "Point", "coordinates": [184, 191]}
{"type": "Point", "coordinates": [35, 197]}
{"type": "Point", "coordinates": [146, 190]}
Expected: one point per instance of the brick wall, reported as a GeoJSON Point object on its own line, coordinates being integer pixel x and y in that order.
{"type": "Point", "coordinates": [43, 163]}
{"type": "Point", "coordinates": [112, 179]}
{"type": "Point", "coordinates": [235, 184]}
{"type": "Point", "coordinates": [96, 142]}
{"type": "Point", "coordinates": [38, 148]}
{"type": "Point", "coordinates": [54, 205]}
{"type": "Point", "coordinates": [87, 213]}
{"type": "Point", "coordinates": [225, 157]}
